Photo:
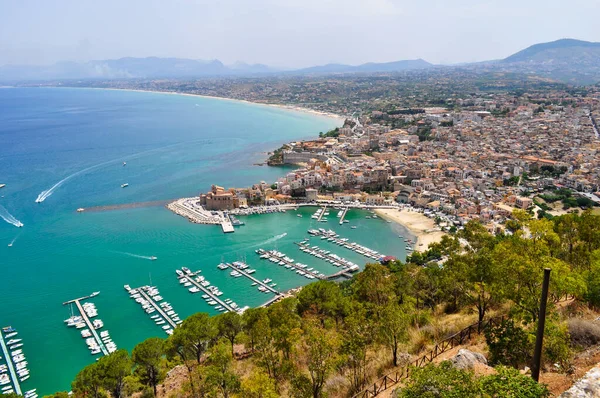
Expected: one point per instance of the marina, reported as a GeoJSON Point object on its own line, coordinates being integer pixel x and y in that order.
{"type": "Point", "coordinates": [331, 236]}
{"type": "Point", "coordinates": [343, 215]}
{"type": "Point", "coordinates": [149, 298]}
{"type": "Point", "coordinates": [211, 294]}
{"type": "Point", "coordinates": [96, 344]}
{"type": "Point", "coordinates": [15, 371]}
{"type": "Point", "coordinates": [241, 268]}
{"type": "Point", "coordinates": [281, 259]}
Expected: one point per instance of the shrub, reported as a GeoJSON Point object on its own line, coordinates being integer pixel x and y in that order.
{"type": "Point", "coordinates": [556, 345]}
{"type": "Point", "coordinates": [509, 383]}
{"type": "Point", "coordinates": [508, 344]}
{"type": "Point", "coordinates": [584, 333]}
{"type": "Point", "coordinates": [442, 381]}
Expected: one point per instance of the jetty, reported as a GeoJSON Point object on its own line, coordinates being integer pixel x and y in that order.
{"type": "Point", "coordinates": [281, 259]}
{"type": "Point", "coordinates": [322, 213]}
{"type": "Point", "coordinates": [331, 236]}
{"type": "Point", "coordinates": [227, 226]}
{"type": "Point", "coordinates": [240, 267]}
{"type": "Point", "coordinates": [101, 346]}
{"type": "Point", "coordinates": [146, 299]}
{"type": "Point", "coordinates": [345, 211]}
{"type": "Point", "coordinates": [325, 255]}
{"type": "Point", "coordinates": [11, 368]}
{"type": "Point", "coordinates": [189, 276]}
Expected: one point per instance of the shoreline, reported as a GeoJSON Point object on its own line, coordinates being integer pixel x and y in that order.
{"type": "Point", "coordinates": [293, 108]}
{"type": "Point", "coordinates": [416, 223]}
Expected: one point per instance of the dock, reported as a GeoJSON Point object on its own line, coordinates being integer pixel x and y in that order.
{"type": "Point", "coordinates": [11, 368]}
{"type": "Point", "coordinates": [190, 278]}
{"type": "Point", "coordinates": [331, 236]}
{"type": "Point", "coordinates": [322, 213]}
{"type": "Point", "coordinates": [337, 261]}
{"type": "Point", "coordinates": [343, 215]}
{"type": "Point", "coordinates": [271, 255]}
{"type": "Point", "coordinates": [253, 279]}
{"type": "Point", "coordinates": [154, 304]}
{"type": "Point", "coordinates": [227, 226]}
{"type": "Point", "coordinates": [91, 327]}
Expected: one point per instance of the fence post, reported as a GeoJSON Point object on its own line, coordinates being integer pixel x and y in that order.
{"type": "Point", "coordinates": [539, 339]}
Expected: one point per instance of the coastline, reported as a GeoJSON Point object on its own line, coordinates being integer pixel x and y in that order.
{"type": "Point", "coordinates": [418, 225]}
{"type": "Point", "coordinates": [330, 115]}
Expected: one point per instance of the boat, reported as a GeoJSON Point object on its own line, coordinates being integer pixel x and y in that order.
{"type": "Point", "coordinates": [2, 185]}
{"type": "Point", "coordinates": [124, 185]}
{"type": "Point", "coordinates": [9, 329]}
{"type": "Point", "coordinates": [353, 227]}
{"type": "Point", "coordinates": [153, 258]}
{"type": "Point", "coordinates": [179, 272]}
{"type": "Point", "coordinates": [186, 270]}
{"type": "Point", "coordinates": [299, 215]}
{"type": "Point", "coordinates": [124, 163]}
{"type": "Point", "coordinates": [94, 294]}
{"type": "Point", "coordinates": [81, 209]}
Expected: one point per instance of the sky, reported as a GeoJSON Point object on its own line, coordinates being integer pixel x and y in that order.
{"type": "Point", "coordinates": [287, 33]}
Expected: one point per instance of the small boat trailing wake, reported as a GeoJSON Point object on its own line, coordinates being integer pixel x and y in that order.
{"type": "Point", "coordinates": [9, 218]}
{"type": "Point", "coordinates": [12, 242]}
{"type": "Point", "coordinates": [138, 256]}
{"type": "Point", "coordinates": [274, 239]}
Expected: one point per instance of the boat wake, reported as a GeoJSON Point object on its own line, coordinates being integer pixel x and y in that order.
{"type": "Point", "coordinates": [138, 256]}
{"type": "Point", "coordinates": [48, 192]}
{"type": "Point", "coordinates": [12, 242]}
{"type": "Point", "coordinates": [273, 239]}
{"type": "Point", "coordinates": [9, 218]}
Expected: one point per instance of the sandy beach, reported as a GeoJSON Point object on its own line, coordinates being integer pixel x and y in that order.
{"type": "Point", "coordinates": [339, 118]}
{"type": "Point", "coordinates": [419, 225]}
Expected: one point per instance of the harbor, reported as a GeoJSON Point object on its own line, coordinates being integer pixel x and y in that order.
{"type": "Point", "coordinates": [149, 298]}
{"type": "Point", "coordinates": [333, 237]}
{"type": "Point", "coordinates": [279, 258]}
{"type": "Point", "coordinates": [342, 215]}
{"type": "Point", "coordinates": [197, 283]}
{"type": "Point", "coordinates": [240, 268]}
{"type": "Point", "coordinates": [96, 343]}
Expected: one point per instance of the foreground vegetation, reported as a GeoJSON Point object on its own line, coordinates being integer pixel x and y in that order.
{"type": "Point", "coordinates": [331, 339]}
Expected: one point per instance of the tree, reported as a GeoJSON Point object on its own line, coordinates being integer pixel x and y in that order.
{"type": "Point", "coordinates": [87, 383]}
{"type": "Point", "coordinates": [509, 383]}
{"type": "Point", "coordinates": [320, 348]}
{"type": "Point", "coordinates": [357, 336]}
{"type": "Point", "coordinates": [258, 385]}
{"type": "Point", "coordinates": [393, 322]}
{"type": "Point", "coordinates": [375, 285]}
{"type": "Point", "coordinates": [147, 357]}
{"type": "Point", "coordinates": [230, 325]}
{"type": "Point", "coordinates": [218, 373]}
{"type": "Point", "coordinates": [440, 381]}
{"type": "Point", "coordinates": [508, 344]}
{"type": "Point", "coordinates": [285, 325]}
{"type": "Point", "coordinates": [250, 318]}
{"type": "Point", "coordinates": [114, 368]}
{"type": "Point", "coordinates": [322, 299]}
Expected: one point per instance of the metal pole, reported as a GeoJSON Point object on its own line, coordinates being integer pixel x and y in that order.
{"type": "Point", "coordinates": [537, 355]}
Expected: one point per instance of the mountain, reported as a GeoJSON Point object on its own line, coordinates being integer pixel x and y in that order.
{"type": "Point", "coordinates": [568, 60]}
{"type": "Point", "coordinates": [150, 67]}
{"type": "Point", "coordinates": [368, 67]}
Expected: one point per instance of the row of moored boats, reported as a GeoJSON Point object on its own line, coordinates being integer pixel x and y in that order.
{"type": "Point", "coordinates": [240, 268]}
{"type": "Point", "coordinates": [281, 259]}
{"type": "Point", "coordinates": [96, 338]}
{"type": "Point", "coordinates": [149, 298]}
{"type": "Point", "coordinates": [16, 361]}
{"type": "Point", "coordinates": [332, 237]}
{"type": "Point", "coordinates": [198, 284]}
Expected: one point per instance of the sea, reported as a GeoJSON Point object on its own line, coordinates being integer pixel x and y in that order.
{"type": "Point", "coordinates": [64, 148]}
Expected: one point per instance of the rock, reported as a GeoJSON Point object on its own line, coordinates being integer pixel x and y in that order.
{"type": "Point", "coordinates": [586, 387]}
{"type": "Point", "coordinates": [466, 359]}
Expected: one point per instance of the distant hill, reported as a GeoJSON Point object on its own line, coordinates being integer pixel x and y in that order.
{"type": "Point", "coordinates": [368, 67]}
{"type": "Point", "coordinates": [568, 60]}
{"type": "Point", "coordinates": [150, 67]}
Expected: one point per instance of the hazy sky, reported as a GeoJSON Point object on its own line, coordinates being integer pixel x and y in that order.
{"type": "Point", "coordinates": [287, 33]}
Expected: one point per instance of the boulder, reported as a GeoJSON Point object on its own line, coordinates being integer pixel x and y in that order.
{"type": "Point", "coordinates": [466, 359]}
{"type": "Point", "coordinates": [586, 387]}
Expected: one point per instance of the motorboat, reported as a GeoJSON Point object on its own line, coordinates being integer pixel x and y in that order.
{"type": "Point", "coordinates": [124, 185]}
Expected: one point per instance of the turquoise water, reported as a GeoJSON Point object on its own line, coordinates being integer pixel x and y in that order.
{"type": "Point", "coordinates": [174, 146]}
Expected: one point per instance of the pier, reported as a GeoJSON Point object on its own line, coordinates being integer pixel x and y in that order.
{"type": "Point", "coordinates": [227, 226]}
{"type": "Point", "coordinates": [11, 368]}
{"type": "Point", "coordinates": [157, 307]}
{"type": "Point", "coordinates": [333, 259]}
{"type": "Point", "coordinates": [331, 236]}
{"type": "Point", "coordinates": [190, 278]}
{"type": "Point", "coordinates": [322, 213]}
{"type": "Point", "coordinates": [270, 255]}
{"type": "Point", "coordinates": [253, 279]}
{"type": "Point", "coordinates": [343, 215]}
{"type": "Point", "coordinates": [91, 327]}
